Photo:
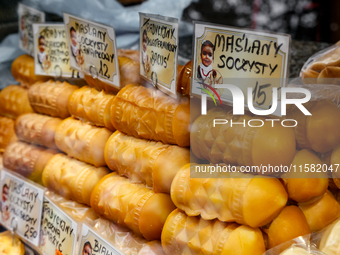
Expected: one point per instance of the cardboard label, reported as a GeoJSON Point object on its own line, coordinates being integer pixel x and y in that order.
{"type": "Point", "coordinates": [58, 231]}
{"type": "Point", "coordinates": [92, 243]}
{"type": "Point", "coordinates": [159, 51]}
{"type": "Point", "coordinates": [21, 206]}
{"type": "Point", "coordinates": [28, 16]}
{"type": "Point", "coordinates": [51, 52]}
{"type": "Point", "coordinates": [241, 57]}
{"type": "Point", "coordinates": [92, 48]}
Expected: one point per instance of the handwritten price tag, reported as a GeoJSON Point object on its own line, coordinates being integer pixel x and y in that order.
{"type": "Point", "coordinates": [58, 231]}
{"type": "Point", "coordinates": [21, 206]}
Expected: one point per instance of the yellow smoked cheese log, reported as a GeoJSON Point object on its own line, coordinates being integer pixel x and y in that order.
{"type": "Point", "coordinates": [184, 234]}
{"type": "Point", "coordinates": [7, 132]}
{"type": "Point", "coordinates": [37, 129]}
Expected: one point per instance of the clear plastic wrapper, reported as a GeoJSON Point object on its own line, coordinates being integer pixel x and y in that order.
{"type": "Point", "coordinates": [10, 245]}
{"type": "Point", "coordinates": [323, 67]}
{"type": "Point", "coordinates": [124, 239]}
{"type": "Point", "coordinates": [131, 205]}
{"type": "Point", "coordinates": [37, 129]}
{"type": "Point", "coordinates": [251, 201]}
{"type": "Point", "coordinates": [82, 141]}
{"type": "Point", "coordinates": [150, 114]}
{"type": "Point", "coordinates": [92, 106]}
{"type": "Point", "coordinates": [304, 189]}
{"type": "Point", "coordinates": [71, 178]}
{"type": "Point", "coordinates": [14, 101]}
{"type": "Point", "coordinates": [184, 234]}
{"type": "Point", "coordinates": [321, 211]}
{"type": "Point", "coordinates": [23, 71]}
{"type": "Point", "coordinates": [328, 239]}
{"type": "Point", "coordinates": [7, 133]}
{"type": "Point", "coordinates": [241, 145]}
{"type": "Point", "coordinates": [51, 98]}
{"type": "Point", "coordinates": [299, 246]}
{"type": "Point", "coordinates": [27, 160]}
{"type": "Point", "coordinates": [129, 74]}
{"type": "Point", "coordinates": [149, 162]}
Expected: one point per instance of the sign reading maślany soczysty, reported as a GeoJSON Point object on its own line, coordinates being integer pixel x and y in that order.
{"type": "Point", "coordinates": [92, 243]}
{"type": "Point", "coordinates": [92, 48]}
{"type": "Point", "coordinates": [51, 52]}
{"type": "Point", "coordinates": [28, 16]}
{"type": "Point", "coordinates": [241, 57]}
{"type": "Point", "coordinates": [58, 231]}
{"type": "Point", "coordinates": [159, 51]}
{"type": "Point", "coordinates": [21, 206]}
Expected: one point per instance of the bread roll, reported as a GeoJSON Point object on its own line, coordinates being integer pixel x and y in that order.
{"type": "Point", "coordinates": [319, 132]}
{"type": "Point", "coordinates": [289, 224]}
{"type": "Point", "coordinates": [183, 81]}
{"type": "Point", "coordinates": [7, 133]}
{"type": "Point", "coordinates": [228, 199]}
{"type": "Point", "coordinates": [82, 141]}
{"type": "Point", "coordinates": [321, 212]}
{"type": "Point", "coordinates": [27, 160]}
{"type": "Point", "coordinates": [148, 113]}
{"type": "Point", "coordinates": [239, 144]}
{"type": "Point", "coordinates": [51, 98]}
{"type": "Point", "coordinates": [330, 240]}
{"type": "Point", "coordinates": [92, 106]}
{"type": "Point", "coordinates": [129, 74]}
{"type": "Point", "coordinates": [71, 178]}
{"type": "Point", "coordinates": [38, 129]}
{"type": "Point", "coordinates": [183, 234]}
{"type": "Point", "coordinates": [153, 163]}
{"type": "Point", "coordinates": [14, 101]}
{"type": "Point", "coordinates": [23, 71]}
{"type": "Point", "coordinates": [131, 205]}
{"type": "Point", "coordinates": [304, 189]}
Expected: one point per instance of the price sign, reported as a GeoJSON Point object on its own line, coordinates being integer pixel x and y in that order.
{"type": "Point", "coordinates": [92, 48]}
{"type": "Point", "coordinates": [51, 51]}
{"type": "Point", "coordinates": [159, 51]}
{"type": "Point", "coordinates": [58, 231]}
{"type": "Point", "coordinates": [28, 16]}
{"type": "Point", "coordinates": [92, 243]}
{"type": "Point", "coordinates": [240, 57]}
{"type": "Point", "coordinates": [21, 206]}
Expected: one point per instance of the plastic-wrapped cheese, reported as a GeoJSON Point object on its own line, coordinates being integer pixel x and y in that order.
{"type": "Point", "coordinates": [23, 71]}
{"type": "Point", "coordinates": [319, 132]}
{"type": "Point", "coordinates": [330, 240]}
{"type": "Point", "coordinates": [297, 251]}
{"type": "Point", "coordinates": [10, 245]}
{"type": "Point", "coordinates": [124, 239]}
{"type": "Point", "coordinates": [183, 82]}
{"type": "Point", "coordinates": [129, 74]}
{"type": "Point", "coordinates": [27, 160]}
{"type": "Point", "coordinates": [153, 163]}
{"type": "Point", "coordinates": [14, 101]}
{"type": "Point", "coordinates": [71, 178]}
{"type": "Point", "coordinates": [82, 141]}
{"type": "Point", "coordinates": [239, 144]}
{"type": "Point", "coordinates": [183, 234]}
{"type": "Point", "coordinates": [92, 106]}
{"type": "Point", "coordinates": [304, 189]}
{"type": "Point", "coordinates": [7, 133]}
{"type": "Point", "coordinates": [319, 213]}
{"type": "Point", "coordinates": [289, 224]}
{"type": "Point", "coordinates": [131, 205]}
{"type": "Point", "coordinates": [38, 129]}
{"type": "Point", "coordinates": [51, 98]}
{"type": "Point", "coordinates": [148, 113]}
{"type": "Point", "coordinates": [251, 201]}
